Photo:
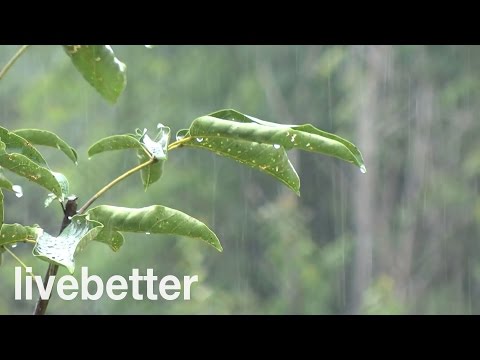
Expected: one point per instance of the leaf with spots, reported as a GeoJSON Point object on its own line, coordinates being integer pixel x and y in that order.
{"type": "Point", "coordinates": [47, 138]}
{"type": "Point", "coordinates": [304, 137]}
{"type": "Point", "coordinates": [270, 159]}
{"type": "Point", "coordinates": [13, 233]}
{"type": "Point", "coordinates": [61, 250]}
{"type": "Point", "coordinates": [14, 143]}
{"type": "Point", "coordinates": [115, 142]}
{"type": "Point", "coordinates": [99, 66]}
{"type": "Point", "coordinates": [25, 167]}
{"type": "Point", "coordinates": [154, 219]}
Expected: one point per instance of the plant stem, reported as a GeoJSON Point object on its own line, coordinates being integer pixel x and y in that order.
{"type": "Point", "coordinates": [179, 143]}
{"type": "Point", "coordinates": [113, 183]}
{"type": "Point", "coordinates": [12, 60]}
{"type": "Point", "coordinates": [18, 259]}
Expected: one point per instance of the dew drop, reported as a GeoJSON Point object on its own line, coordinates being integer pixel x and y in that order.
{"type": "Point", "coordinates": [276, 146]}
{"type": "Point", "coordinates": [199, 139]}
{"type": "Point", "coordinates": [18, 190]}
{"type": "Point", "coordinates": [363, 169]}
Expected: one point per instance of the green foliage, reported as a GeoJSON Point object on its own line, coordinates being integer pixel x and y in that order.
{"type": "Point", "coordinates": [256, 143]}
{"type": "Point", "coordinates": [99, 66]}
{"type": "Point", "coordinates": [154, 219]}
{"type": "Point", "coordinates": [47, 138]}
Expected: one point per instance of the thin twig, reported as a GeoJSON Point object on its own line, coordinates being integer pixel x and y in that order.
{"type": "Point", "coordinates": [12, 60]}
{"type": "Point", "coordinates": [18, 259]}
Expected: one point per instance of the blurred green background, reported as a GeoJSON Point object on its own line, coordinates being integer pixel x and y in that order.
{"type": "Point", "coordinates": [401, 239]}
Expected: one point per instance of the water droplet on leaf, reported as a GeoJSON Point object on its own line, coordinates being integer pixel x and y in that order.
{"type": "Point", "coordinates": [363, 169]}
{"type": "Point", "coordinates": [14, 245]}
{"type": "Point", "coordinates": [147, 233]}
{"type": "Point", "coordinates": [276, 146]}
{"type": "Point", "coordinates": [18, 190]}
{"type": "Point", "coordinates": [179, 137]}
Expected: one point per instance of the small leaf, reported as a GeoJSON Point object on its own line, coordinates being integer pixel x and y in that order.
{"type": "Point", "coordinates": [152, 173]}
{"type": "Point", "coordinates": [62, 180]}
{"type": "Point", "coordinates": [153, 219]}
{"type": "Point", "coordinates": [47, 138]}
{"type": "Point", "coordinates": [12, 233]}
{"type": "Point", "coordinates": [61, 250]}
{"type": "Point", "coordinates": [115, 142]}
{"type": "Point", "coordinates": [23, 166]}
{"type": "Point", "coordinates": [99, 66]}
{"type": "Point", "coordinates": [16, 144]}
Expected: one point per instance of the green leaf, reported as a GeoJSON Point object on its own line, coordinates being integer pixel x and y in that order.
{"type": "Point", "coordinates": [154, 219]}
{"type": "Point", "coordinates": [62, 249]}
{"type": "Point", "coordinates": [23, 166]}
{"type": "Point", "coordinates": [99, 66]}
{"type": "Point", "coordinates": [152, 173]}
{"type": "Point", "coordinates": [47, 138]}
{"type": "Point", "coordinates": [16, 144]}
{"type": "Point", "coordinates": [12, 233]}
{"type": "Point", "coordinates": [115, 142]}
{"type": "Point", "coordinates": [112, 238]}
{"type": "Point", "coordinates": [267, 158]}
{"type": "Point", "coordinates": [305, 137]}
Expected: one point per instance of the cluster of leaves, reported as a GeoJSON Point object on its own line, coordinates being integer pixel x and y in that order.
{"type": "Point", "coordinates": [256, 143]}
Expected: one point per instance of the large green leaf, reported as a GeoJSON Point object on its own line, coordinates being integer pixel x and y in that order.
{"type": "Point", "coordinates": [115, 142]}
{"type": "Point", "coordinates": [16, 144]}
{"type": "Point", "coordinates": [154, 219]}
{"type": "Point", "coordinates": [305, 137]}
{"type": "Point", "coordinates": [47, 138]}
{"type": "Point", "coordinates": [23, 166]}
{"type": "Point", "coordinates": [267, 158]}
{"type": "Point", "coordinates": [100, 67]}
{"type": "Point", "coordinates": [62, 249]}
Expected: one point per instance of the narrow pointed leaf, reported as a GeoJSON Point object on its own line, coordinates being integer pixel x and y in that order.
{"type": "Point", "coordinates": [153, 219]}
{"type": "Point", "coordinates": [151, 173]}
{"type": "Point", "coordinates": [16, 144]}
{"type": "Point", "coordinates": [23, 166]}
{"type": "Point", "coordinates": [47, 138]}
{"type": "Point", "coordinates": [115, 142]}
{"type": "Point", "coordinates": [318, 140]}
{"type": "Point", "coordinates": [61, 250]}
{"type": "Point", "coordinates": [5, 183]}
{"type": "Point", "coordinates": [99, 66]}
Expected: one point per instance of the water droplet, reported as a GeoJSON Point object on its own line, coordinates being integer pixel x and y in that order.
{"type": "Point", "coordinates": [179, 137]}
{"type": "Point", "coordinates": [98, 58]}
{"type": "Point", "coordinates": [69, 218]}
{"type": "Point", "coordinates": [199, 139]}
{"type": "Point", "coordinates": [147, 233]}
{"type": "Point", "coordinates": [14, 245]}
{"type": "Point", "coordinates": [276, 146]}
{"type": "Point", "coordinates": [363, 169]}
{"type": "Point", "coordinates": [76, 162]}
{"type": "Point", "coordinates": [18, 190]}
{"type": "Point", "coordinates": [276, 168]}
